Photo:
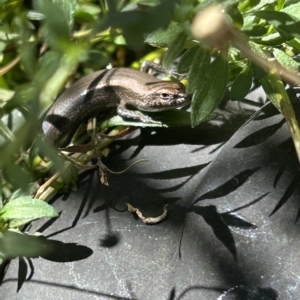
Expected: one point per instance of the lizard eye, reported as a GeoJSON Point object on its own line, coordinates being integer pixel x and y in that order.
{"type": "Point", "coordinates": [165, 96]}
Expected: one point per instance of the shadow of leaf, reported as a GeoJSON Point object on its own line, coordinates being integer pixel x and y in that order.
{"type": "Point", "coordinates": [287, 147]}
{"type": "Point", "coordinates": [67, 252]}
{"type": "Point", "coordinates": [236, 221]}
{"type": "Point", "coordinates": [220, 229]}
{"type": "Point", "coordinates": [288, 193]}
{"type": "Point", "coordinates": [229, 186]}
{"type": "Point", "coordinates": [172, 294]}
{"type": "Point", "coordinates": [259, 136]}
{"type": "Point", "coordinates": [22, 272]}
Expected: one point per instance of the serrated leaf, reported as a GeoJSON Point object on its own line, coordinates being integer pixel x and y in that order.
{"type": "Point", "coordinates": [286, 61]}
{"type": "Point", "coordinates": [199, 70]}
{"type": "Point", "coordinates": [174, 50]}
{"type": "Point", "coordinates": [27, 208]}
{"type": "Point", "coordinates": [210, 94]}
{"type": "Point", "coordinates": [241, 84]}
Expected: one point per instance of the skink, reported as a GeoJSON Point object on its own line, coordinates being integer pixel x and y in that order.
{"type": "Point", "coordinates": [116, 89]}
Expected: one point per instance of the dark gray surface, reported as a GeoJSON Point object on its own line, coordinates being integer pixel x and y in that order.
{"type": "Point", "coordinates": [144, 263]}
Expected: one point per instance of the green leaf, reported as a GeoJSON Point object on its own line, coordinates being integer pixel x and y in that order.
{"type": "Point", "coordinates": [174, 50]}
{"type": "Point", "coordinates": [241, 85]}
{"type": "Point", "coordinates": [83, 17]}
{"type": "Point", "coordinates": [5, 132]}
{"type": "Point", "coordinates": [68, 7]}
{"type": "Point", "coordinates": [270, 91]}
{"type": "Point", "coordinates": [14, 243]}
{"type": "Point", "coordinates": [187, 59]}
{"type": "Point", "coordinates": [280, 4]}
{"type": "Point", "coordinates": [18, 176]}
{"type": "Point", "coordinates": [285, 60]}
{"type": "Point", "coordinates": [236, 16]}
{"type": "Point", "coordinates": [168, 118]}
{"type": "Point", "coordinates": [199, 70]}
{"type": "Point", "coordinates": [162, 37]}
{"type": "Point", "coordinates": [41, 146]}
{"type": "Point", "coordinates": [285, 24]}
{"type": "Point", "coordinates": [209, 96]}
{"type": "Point", "coordinates": [136, 23]}
{"type": "Point", "coordinates": [57, 24]}
{"type": "Point", "coordinates": [258, 71]}
{"type": "Point", "coordinates": [30, 190]}
{"type": "Point", "coordinates": [15, 223]}
{"type": "Point", "coordinates": [293, 10]}
{"type": "Point", "coordinates": [28, 57]}
{"type": "Point", "coordinates": [27, 208]}
{"type": "Point", "coordinates": [1, 194]}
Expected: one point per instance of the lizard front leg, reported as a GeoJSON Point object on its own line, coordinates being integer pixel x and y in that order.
{"type": "Point", "coordinates": [124, 112]}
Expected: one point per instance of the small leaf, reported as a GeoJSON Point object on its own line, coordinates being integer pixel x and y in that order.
{"type": "Point", "coordinates": [15, 223]}
{"type": "Point", "coordinates": [199, 70]}
{"type": "Point", "coordinates": [285, 24]}
{"type": "Point", "coordinates": [163, 37]}
{"type": "Point", "coordinates": [68, 7]}
{"type": "Point", "coordinates": [220, 229]}
{"type": "Point", "coordinates": [29, 190]}
{"type": "Point", "coordinates": [27, 208]}
{"type": "Point", "coordinates": [242, 84]}
{"type": "Point", "coordinates": [1, 195]}
{"type": "Point", "coordinates": [167, 118]}
{"type": "Point", "coordinates": [43, 147]}
{"type": "Point", "coordinates": [293, 10]}
{"type": "Point", "coordinates": [288, 193]}
{"type": "Point", "coordinates": [57, 23]}
{"type": "Point", "coordinates": [209, 96]}
{"type": "Point", "coordinates": [83, 17]}
{"type": "Point", "coordinates": [286, 61]}
{"type": "Point", "coordinates": [14, 243]}
{"type": "Point", "coordinates": [174, 50]}
{"type": "Point", "coordinates": [187, 59]}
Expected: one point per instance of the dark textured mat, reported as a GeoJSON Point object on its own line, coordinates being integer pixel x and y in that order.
{"type": "Point", "coordinates": [219, 198]}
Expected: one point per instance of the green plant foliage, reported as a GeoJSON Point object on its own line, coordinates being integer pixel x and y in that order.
{"type": "Point", "coordinates": [241, 84]}
{"type": "Point", "coordinates": [22, 209]}
{"type": "Point", "coordinates": [210, 94]}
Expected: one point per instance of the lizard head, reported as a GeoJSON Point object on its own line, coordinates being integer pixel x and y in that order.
{"type": "Point", "coordinates": [163, 95]}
